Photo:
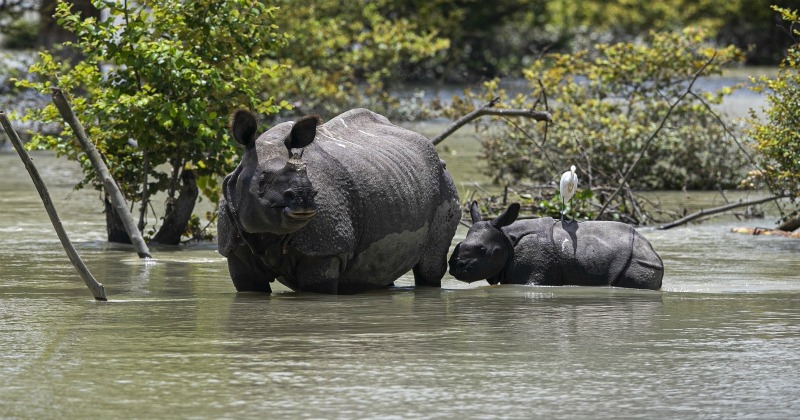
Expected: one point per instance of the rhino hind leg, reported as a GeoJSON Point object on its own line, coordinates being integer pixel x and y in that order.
{"type": "Point", "coordinates": [319, 275]}
{"type": "Point", "coordinates": [645, 269]}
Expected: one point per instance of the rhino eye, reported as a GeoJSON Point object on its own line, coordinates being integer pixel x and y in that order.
{"type": "Point", "coordinates": [263, 179]}
{"type": "Point", "coordinates": [482, 249]}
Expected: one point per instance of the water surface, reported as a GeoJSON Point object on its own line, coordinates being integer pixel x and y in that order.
{"type": "Point", "coordinates": [175, 340]}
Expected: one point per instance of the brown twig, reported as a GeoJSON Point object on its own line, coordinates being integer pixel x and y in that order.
{"type": "Point", "coordinates": [553, 170]}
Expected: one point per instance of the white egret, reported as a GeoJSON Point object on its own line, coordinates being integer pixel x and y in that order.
{"type": "Point", "coordinates": [569, 185]}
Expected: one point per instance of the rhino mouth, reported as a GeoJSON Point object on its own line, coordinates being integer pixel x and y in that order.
{"type": "Point", "coordinates": [300, 215]}
{"type": "Point", "coordinates": [459, 270]}
{"type": "Point", "coordinates": [465, 271]}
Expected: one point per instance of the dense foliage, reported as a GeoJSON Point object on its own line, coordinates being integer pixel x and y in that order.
{"type": "Point", "coordinates": [501, 39]}
{"type": "Point", "coordinates": [346, 54]}
{"type": "Point", "coordinates": [158, 82]}
{"type": "Point", "coordinates": [607, 102]}
{"type": "Point", "coordinates": [154, 90]}
{"type": "Point", "coordinates": [776, 133]}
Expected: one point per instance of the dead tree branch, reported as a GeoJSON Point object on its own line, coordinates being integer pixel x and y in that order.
{"type": "Point", "coordinates": [94, 286]}
{"type": "Point", "coordinates": [117, 199]}
{"type": "Point", "coordinates": [721, 209]}
{"type": "Point", "coordinates": [489, 109]}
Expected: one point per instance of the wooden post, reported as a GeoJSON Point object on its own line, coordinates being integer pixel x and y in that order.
{"type": "Point", "coordinates": [117, 200]}
{"type": "Point", "coordinates": [94, 286]}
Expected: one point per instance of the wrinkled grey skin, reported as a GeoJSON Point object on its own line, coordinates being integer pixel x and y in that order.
{"type": "Point", "coordinates": [361, 204]}
{"type": "Point", "coordinates": [548, 252]}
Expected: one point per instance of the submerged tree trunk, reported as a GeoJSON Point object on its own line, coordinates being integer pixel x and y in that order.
{"type": "Point", "coordinates": [114, 225]}
{"type": "Point", "coordinates": [177, 215]}
{"type": "Point", "coordinates": [117, 200]}
{"type": "Point", "coordinates": [179, 211]}
{"type": "Point", "coordinates": [96, 287]}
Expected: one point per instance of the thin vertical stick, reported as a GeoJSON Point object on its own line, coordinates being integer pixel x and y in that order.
{"type": "Point", "coordinates": [94, 286]}
{"type": "Point", "coordinates": [117, 200]}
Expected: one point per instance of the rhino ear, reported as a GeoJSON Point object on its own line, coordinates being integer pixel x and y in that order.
{"type": "Point", "coordinates": [303, 132]}
{"type": "Point", "coordinates": [474, 212]}
{"type": "Point", "coordinates": [243, 126]}
{"type": "Point", "coordinates": [508, 217]}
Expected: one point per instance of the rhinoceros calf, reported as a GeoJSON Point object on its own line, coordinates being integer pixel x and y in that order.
{"type": "Point", "coordinates": [547, 252]}
{"type": "Point", "coordinates": [343, 207]}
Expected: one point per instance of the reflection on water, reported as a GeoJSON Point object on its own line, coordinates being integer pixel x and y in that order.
{"type": "Point", "coordinates": [175, 339]}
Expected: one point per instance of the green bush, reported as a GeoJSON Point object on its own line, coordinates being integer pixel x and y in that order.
{"type": "Point", "coordinates": [776, 133]}
{"type": "Point", "coordinates": [157, 83]}
{"type": "Point", "coordinates": [154, 91]}
{"type": "Point", "coordinates": [346, 54]}
{"type": "Point", "coordinates": [606, 102]}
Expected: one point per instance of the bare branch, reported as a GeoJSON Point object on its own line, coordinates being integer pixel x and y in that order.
{"type": "Point", "coordinates": [111, 188]}
{"type": "Point", "coordinates": [553, 169]}
{"type": "Point", "coordinates": [489, 109]}
{"type": "Point", "coordinates": [94, 286]}
{"type": "Point", "coordinates": [720, 209]}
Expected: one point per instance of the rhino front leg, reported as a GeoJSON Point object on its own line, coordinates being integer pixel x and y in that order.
{"type": "Point", "coordinates": [248, 273]}
{"type": "Point", "coordinates": [318, 275]}
{"type": "Point", "coordinates": [432, 265]}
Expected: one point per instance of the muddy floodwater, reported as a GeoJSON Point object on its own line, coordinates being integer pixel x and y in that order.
{"type": "Point", "coordinates": [175, 340]}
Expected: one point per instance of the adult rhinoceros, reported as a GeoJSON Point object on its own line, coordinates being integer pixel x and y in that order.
{"type": "Point", "coordinates": [342, 207]}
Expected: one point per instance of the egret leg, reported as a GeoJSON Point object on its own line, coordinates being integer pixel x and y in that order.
{"type": "Point", "coordinates": [563, 209]}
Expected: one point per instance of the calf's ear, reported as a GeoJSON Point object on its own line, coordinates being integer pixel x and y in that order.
{"type": "Point", "coordinates": [243, 126]}
{"type": "Point", "coordinates": [303, 132]}
{"type": "Point", "coordinates": [474, 212]}
{"type": "Point", "coordinates": [508, 217]}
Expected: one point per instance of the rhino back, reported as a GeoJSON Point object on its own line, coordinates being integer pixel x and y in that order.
{"type": "Point", "coordinates": [376, 183]}
{"type": "Point", "coordinates": [587, 254]}
{"type": "Point", "coordinates": [594, 253]}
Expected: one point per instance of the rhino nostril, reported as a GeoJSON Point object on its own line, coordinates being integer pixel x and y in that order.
{"type": "Point", "coordinates": [289, 195]}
